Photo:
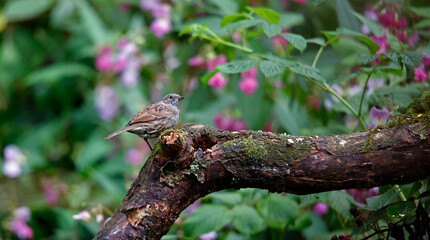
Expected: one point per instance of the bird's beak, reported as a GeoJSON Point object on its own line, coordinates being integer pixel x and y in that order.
{"type": "Point", "coordinates": [180, 98]}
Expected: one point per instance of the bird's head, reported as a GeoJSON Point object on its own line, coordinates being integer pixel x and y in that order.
{"type": "Point", "coordinates": [173, 99]}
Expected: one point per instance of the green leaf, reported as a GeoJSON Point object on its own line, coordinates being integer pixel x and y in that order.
{"type": "Point", "coordinates": [290, 19]}
{"type": "Point", "coordinates": [206, 218]}
{"type": "Point", "coordinates": [308, 72]}
{"type": "Point", "coordinates": [340, 202]}
{"type": "Point", "coordinates": [229, 198]}
{"type": "Point", "coordinates": [271, 29]}
{"type": "Point", "coordinates": [246, 220]}
{"type": "Point", "coordinates": [345, 16]}
{"type": "Point", "coordinates": [241, 24]}
{"type": "Point", "coordinates": [92, 23]}
{"type": "Point", "coordinates": [278, 210]}
{"type": "Point", "coordinates": [53, 73]}
{"type": "Point", "coordinates": [402, 96]}
{"type": "Point", "coordinates": [303, 221]}
{"type": "Point", "coordinates": [237, 66]}
{"type": "Point", "coordinates": [17, 10]}
{"type": "Point", "coordinates": [232, 18]}
{"type": "Point", "coordinates": [380, 201]}
{"type": "Point", "coordinates": [273, 58]}
{"type": "Point", "coordinates": [292, 116]}
{"type": "Point", "coordinates": [269, 68]}
{"type": "Point", "coordinates": [423, 24]}
{"type": "Point", "coordinates": [318, 41]}
{"type": "Point", "coordinates": [343, 78]}
{"type": "Point", "coordinates": [296, 40]}
{"type": "Point", "coordinates": [268, 14]}
{"type": "Point", "coordinates": [401, 209]}
{"type": "Point", "coordinates": [421, 11]}
{"type": "Point", "coordinates": [374, 27]}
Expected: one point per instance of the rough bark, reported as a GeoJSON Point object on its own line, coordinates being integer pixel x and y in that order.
{"type": "Point", "coordinates": [196, 160]}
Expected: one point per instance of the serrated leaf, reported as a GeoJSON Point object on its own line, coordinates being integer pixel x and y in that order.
{"type": "Point", "coordinates": [268, 14]}
{"type": "Point", "coordinates": [246, 220]}
{"type": "Point", "coordinates": [411, 60]}
{"type": "Point", "coordinates": [269, 68]}
{"type": "Point", "coordinates": [401, 209]}
{"type": "Point", "coordinates": [271, 29]}
{"type": "Point", "coordinates": [17, 10]}
{"type": "Point", "coordinates": [232, 18]}
{"type": "Point", "coordinates": [318, 41]}
{"type": "Point", "coordinates": [296, 40]}
{"type": "Point", "coordinates": [237, 66]}
{"type": "Point", "coordinates": [206, 218]}
{"type": "Point", "coordinates": [241, 24]}
{"type": "Point", "coordinates": [308, 72]}
{"type": "Point", "coordinates": [380, 201]}
{"type": "Point", "coordinates": [278, 210]}
{"type": "Point", "coordinates": [340, 202]}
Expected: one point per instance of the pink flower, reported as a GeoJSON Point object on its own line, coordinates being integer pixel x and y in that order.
{"type": "Point", "coordinates": [382, 43]}
{"type": "Point", "coordinates": [51, 192]}
{"type": "Point", "coordinates": [122, 43]}
{"type": "Point", "coordinates": [19, 223]}
{"type": "Point", "coordinates": [365, 29]}
{"type": "Point", "coordinates": [208, 236]}
{"type": "Point", "coordinates": [360, 195]}
{"type": "Point", "coordinates": [236, 37]}
{"type": "Point", "coordinates": [160, 27]}
{"type": "Point", "coordinates": [248, 85]}
{"type": "Point", "coordinates": [426, 60]}
{"type": "Point", "coordinates": [105, 59]}
{"type": "Point", "coordinates": [161, 11]}
{"type": "Point", "coordinates": [193, 207]}
{"type": "Point", "coordinates": [379, 116]}
{"type": "Point", "coordinates": [130, 76]}
{"type": "Point", "coordinates": [217, 81]}
{"type": "Point", "coordinates": [106, 102]}
{"type": "Point", "coordinates": [420, 75]}
{"type": "Point", "coordinates": [229, 124]}
{"type": "Point", "coordinates": [196, 61]}
{"type": "Point", "coordinates": [238, 125]}
{"type": "Point", "coordinates": [370, 13]}
{"type": "Point", "coordinates": [13, 159]}
{"type": "Point", "coordinates": [220, 59]}
{"type": "Point", "coordinates": [268, 127]}
{"type": "Point", "coordinates": [413, 39]}
{"type": "Point", "coordinates": [84, 215]}
{"type": "Point", "coordinates": [387, 20]}
{"type": "Point", "coordinates": [134, 156]}
{"type": "Point", "coordinates": [401, 23]}
{"type": "Point", "coordinates": [320, 209]}
{"type": "Point", "coordinates": [252, 73]}
{"type": "Point", "coordinates": [300, 1]}
{"type": "Point", "coordinates": [402, 36]}
{"type": "Point", "coordinates": [149, 5]}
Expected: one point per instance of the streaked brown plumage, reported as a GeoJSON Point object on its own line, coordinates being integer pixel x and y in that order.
{"type": "Point", "coordinates": [154, 119]}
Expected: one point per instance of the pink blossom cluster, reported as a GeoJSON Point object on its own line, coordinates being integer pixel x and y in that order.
{"type": "Point", "coordinates": [19, 224]}
{"type": "Point", "coordinates": [277, 42]}
{"type": "Point", "coordinates": [123, 60]}
{"type": "Point", "coordinates": [360, 195]}
{"type": "Point", "coordinates": [249, 82]}
{"type": "Point", "coordinates": [13, 160]}
{"type": "Point", "coordinates": [161, 12]}
{"type": "Point", "coordinates": [53, 191]}
{"type": "Point", "coordinates": [420, 72]}
{"type": "Point", "coordinates": [390, 19]}
{"type": "Point", "coordinates": [378, 116]}
{"type": "Point", "coordinates": [209, 64]}
{"type": "Point", "coordinates": [229, 124]}
{"type": "Point", "coordinates": [320, 209]}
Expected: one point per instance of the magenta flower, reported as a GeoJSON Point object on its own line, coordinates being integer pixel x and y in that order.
{"type": "Point", "coordinates": [208, 236]}
{"type": "Point", "coordinates": [370, 13]}
{"type": "Point", "coordinates": [382, 43]}
{"type": "Point", "coordinates": [360, 195]}
{"type": "Point", "coordinates": [426, 60]}
{"type": "Point", "coordinates": [413, 39]}
{"type": "Point", "coordinates": [105, 59]}
{"type": "Point", "coordinates": [238, 125]}
{"type": "Point", "coordinates": [84, 215]}
{"type": "Point", "coordinates": [420, 74]}
{"type": "Point", "coordinates": [320, 209]}
{"type": "Point", "coordinates": [51, 192]}
{"type": "Point", "coordinates": [106, 102]}
{"type": "Point", "coordinates": [160, 27]}
{"type": "Point", "coordinates": [379, 116]}
{"type": "Point", "coordinates": [19, 224]}
{"type": "Point", "coordinates": [196, 61]}
{"type": "Point", "coordinates": [365, 29]}
{"type": "Point", "coordinates": [218, 81]}
{"type": "Point", "coordinates": [252, 73]}
{"type": "Point", "coordinates": [236, 37]}
{"type": "Point", "coordinates": [387, 20]}
{"type": "Point", "coordinates": [122, 43]}
{"type": "Point", "coordinates": [149, 5]}
{"type": "Point", "coordinates": [248, 85]}
{"type": "Point", "coordinates": [229, 124]}
{"type": "Point", "coordinates": [300, 1]}
{"type": "Point", "coordinates": [161, 11]}
{"type": "Point", "coordinates": [402, 36]}
{"type": "Point", "coordinates": [220, 59]}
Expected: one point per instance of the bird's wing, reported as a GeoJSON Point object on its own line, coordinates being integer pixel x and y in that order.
{"type": "Point", "coordinates": [151, 113]}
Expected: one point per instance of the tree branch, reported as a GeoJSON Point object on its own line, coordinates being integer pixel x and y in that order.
{"type": "Point", "coordinates": [196, 160]}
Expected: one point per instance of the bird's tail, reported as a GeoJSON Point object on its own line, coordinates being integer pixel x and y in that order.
{"type": "Point", "coordinates": [118, 132]}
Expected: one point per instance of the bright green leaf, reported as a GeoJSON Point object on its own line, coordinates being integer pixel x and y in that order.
{"type": "Point", "coordinates": [296, 40]}
{"type": "Point", "coordinates": [232, 18]}
{"type": "Point", "coordinates": [318, 41]}
{"type": "Point", "coordinates": [17, 10]}
{"type": "Point", "coordinates": [380, 201]}
{"type": "Point", "coordinates": [229, 198]}
{"type": "Point", "coordinates": [246, 220]}
{"type": "Point", "coordinates": [237, 66]}
{"type": "Point", "coordinates": [269, 68]}
{"type": "Point", "coordinates": [206, 218]}
{"type": "Point", "coordinates": [241, 24]}
{"type": "Point", "coordinates": [278, 210]}
{"type": "Point", "coordinates": [271, 29]}
{"type": "Point", "coordinates": [268, 14]}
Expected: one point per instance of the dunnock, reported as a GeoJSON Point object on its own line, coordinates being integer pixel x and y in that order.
{"type": "Point", "coordinates": [154, 119]}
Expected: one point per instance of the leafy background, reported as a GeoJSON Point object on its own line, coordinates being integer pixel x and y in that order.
{"type": "Point", "coordinates": [57, 102]}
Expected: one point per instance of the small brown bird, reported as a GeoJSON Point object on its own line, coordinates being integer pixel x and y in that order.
{"type": "Point", "coordinates": [154, 119]}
